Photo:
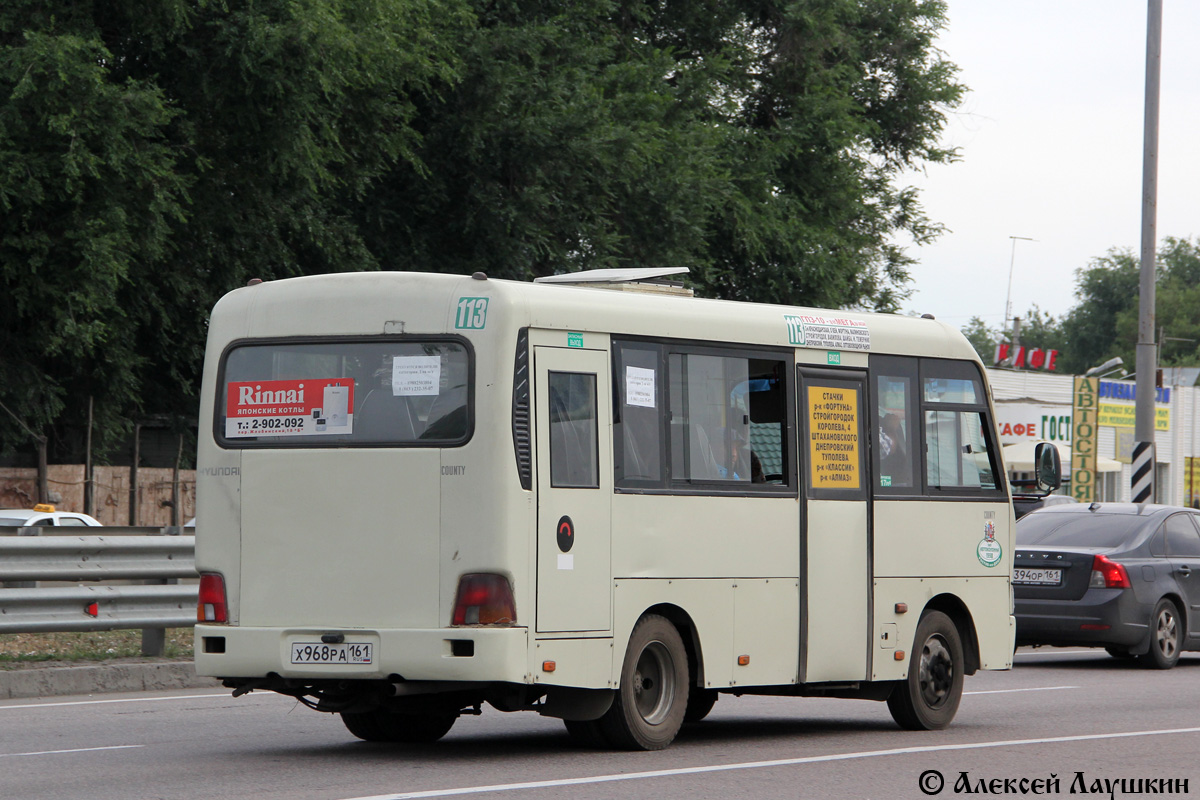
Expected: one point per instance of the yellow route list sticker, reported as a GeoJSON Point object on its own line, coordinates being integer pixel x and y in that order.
{"type": "Point", "coordinates": [833, 437]}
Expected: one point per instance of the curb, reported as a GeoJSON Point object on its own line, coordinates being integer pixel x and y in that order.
{"type": "Point", "coordinates": [101, 678]}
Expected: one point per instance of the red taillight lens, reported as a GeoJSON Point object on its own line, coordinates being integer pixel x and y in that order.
{"type": "Point", "coordinates": [1108, 574]}
{"type": "Point", "coordinates": [212, 606]}
{"type": "Point", "coordinates": [484, 599]}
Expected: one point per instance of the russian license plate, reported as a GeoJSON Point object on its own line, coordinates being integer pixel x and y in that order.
{"type": "Point", "coordinates": [342, 653]}
{"type": "Point", "coordinates": [1038, 577]}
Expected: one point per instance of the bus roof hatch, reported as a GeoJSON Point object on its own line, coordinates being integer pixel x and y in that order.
{"type": "Point", "coordinates": [631, 279]}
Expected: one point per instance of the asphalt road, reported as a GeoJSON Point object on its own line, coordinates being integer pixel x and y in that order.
{"type": "Point", "coordinates": [1059, 713]}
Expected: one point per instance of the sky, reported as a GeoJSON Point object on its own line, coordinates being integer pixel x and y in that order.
{"type": "Point", "coordinates": [1050, 138]}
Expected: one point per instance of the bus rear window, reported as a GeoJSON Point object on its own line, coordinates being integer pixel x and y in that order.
{"type": "Point", "coordinates": [398, 392]}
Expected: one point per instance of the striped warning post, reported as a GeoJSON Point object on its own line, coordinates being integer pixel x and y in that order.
{"type": "Point", "coordinates": [1143, 472]}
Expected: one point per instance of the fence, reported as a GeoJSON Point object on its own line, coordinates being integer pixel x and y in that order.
{"type": "Point", "coordinates": [98, 569]}
{"type": "Point", "coordinates": [120, 496]}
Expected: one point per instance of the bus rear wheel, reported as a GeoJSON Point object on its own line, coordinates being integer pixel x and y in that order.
{"type": "Point", "coordinates": [928, 698]}
{"type": "Point", "coordinates": [385, 726]}
{"type": "Point", "coordinates": [700, 702]}
{"type": "Point", "coordinates": [650, 704]}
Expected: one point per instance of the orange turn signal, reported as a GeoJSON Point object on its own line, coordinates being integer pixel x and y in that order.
{"type": "Point", "coordinates": [898, 655]}
{"type": "Point", "coordinates": [548, 666]}
{"type": "Point", "coordinates": [743, 661]}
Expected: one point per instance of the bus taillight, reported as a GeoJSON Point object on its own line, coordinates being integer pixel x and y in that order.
{"type": "Point", "coordinates": [484, 598]}
{"type": "Point", "coordinates": [212, 606]}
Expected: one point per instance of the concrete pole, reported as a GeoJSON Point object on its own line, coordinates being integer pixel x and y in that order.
{"type": "Point", "coordinates": [1016, 343]}
{"type": "Point", "coordinates": [1144, 406]}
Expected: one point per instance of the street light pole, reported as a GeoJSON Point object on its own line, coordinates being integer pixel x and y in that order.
{"type": "Point", "coordinates": [1011, 263]}
{"type": "Point", "coordinates": [1143, 488]}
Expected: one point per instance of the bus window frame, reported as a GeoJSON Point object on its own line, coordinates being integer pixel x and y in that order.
{"type": "Point", "coordinates": [959, 370]}
{"type": "Point", "coordinates": [307, 443]}
{"type": "Point", "coordinates": [669, 484]}
{"type": "Point", "coordinates": [908, 367]}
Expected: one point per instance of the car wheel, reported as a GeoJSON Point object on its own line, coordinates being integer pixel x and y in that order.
{"type": "Point", "coordinates": [1164, 637]}
{"type": "Point", "coordinates": [384, 726]}
{"type": "Point", "coordinates": [700, 702]}
{"type": "Point", "coordinates": [648, 710]}
{"type": "Point", "coordinates": [928, 698]}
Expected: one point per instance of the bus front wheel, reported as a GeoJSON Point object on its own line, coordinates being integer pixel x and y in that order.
{"type": "Point", "coordinates": [653, 697]}
{"type": "Point", "coordinates": [928, 698]}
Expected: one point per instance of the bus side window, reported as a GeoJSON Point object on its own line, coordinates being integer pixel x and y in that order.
{"type": "Point", "coordinates": [714, 442]}
{"type": "Point", "coordinates": [637, 422]}
{"type": "Point", "coordinates": [574, 435]}
{"type": "Point", "coordinates": [895, 425]}
{"type": "Point", "coordinates": [957, 443]}
{"type": "Point", "coordinates": [956, 450]}
{"type": "Point", "coordinates": [689, 417]}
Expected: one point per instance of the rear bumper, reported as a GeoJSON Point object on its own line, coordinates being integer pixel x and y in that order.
{"type": "Point", "coordinates": [493, 654]}
{"type": "Point", "coordinates": [1112, 617]}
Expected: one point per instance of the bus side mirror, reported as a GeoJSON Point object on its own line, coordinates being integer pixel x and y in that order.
{"type": "Point", "coordinates": [1049, 466]}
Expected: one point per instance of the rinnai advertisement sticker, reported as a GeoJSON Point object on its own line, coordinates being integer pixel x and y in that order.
{"type": "Point", "coordinates": [305, 407]}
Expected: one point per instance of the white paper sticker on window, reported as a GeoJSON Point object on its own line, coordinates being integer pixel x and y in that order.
{"type": "Point", "coordinates": [639, 387]}
{"type": "Point", "coordinates": [418, 376]}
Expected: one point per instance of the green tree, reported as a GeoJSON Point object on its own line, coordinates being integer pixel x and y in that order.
{"type": "Point", "coordinates": [1105, 288]}
{"type": "Point", "coordinates": [1177, 309]}
{"type": "Point", "coordinates": [756, 143]}
{"type": "Point", "coordinates": [154, 156]}
{"type": "Point", "coordinates": [983, 338]}
{"type": "Point", "coordinates": [1104, 323]}
{"type": "Point", "coordinates": [1038, 329]}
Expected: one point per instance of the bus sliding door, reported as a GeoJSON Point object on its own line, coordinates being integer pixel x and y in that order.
{"type": "Point", "coordinates": [574, 489]}
{"type": "Point", "coordinates": [835, 530]}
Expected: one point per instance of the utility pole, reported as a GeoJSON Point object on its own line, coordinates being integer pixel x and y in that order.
{"type": "Point", "coordinates": [1143, 489]}
{"type": "Point", "coordinates": [1012, 261]}
{"type": "Point", "coordinates": [1015, 347]}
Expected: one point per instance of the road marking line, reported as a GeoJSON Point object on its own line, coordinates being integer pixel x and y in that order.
{"type": "Point", "coordinates": [1032, 689]}
{"type": "Point", "coordinates": [76, 750]}
{"type": "Point", "coordinates": [786, 762]}
{"type": "Point", "coordinates": [223, 696]}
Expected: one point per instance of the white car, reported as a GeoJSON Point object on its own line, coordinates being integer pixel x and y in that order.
{"type": "Point", "coordinates": [45, 515]}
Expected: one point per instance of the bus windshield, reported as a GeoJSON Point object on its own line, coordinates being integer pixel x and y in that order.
{"type": "Point", "coordinates": [342, 393]}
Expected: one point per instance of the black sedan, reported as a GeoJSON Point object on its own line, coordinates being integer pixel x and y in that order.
{"type": "Point", "coordinates": [1114, 575]}
{"type": "Point", "coordinates": [1023, 504]}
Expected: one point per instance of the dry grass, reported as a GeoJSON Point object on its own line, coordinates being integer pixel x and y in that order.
{"type": "Point", "coordinates": [23, 648]}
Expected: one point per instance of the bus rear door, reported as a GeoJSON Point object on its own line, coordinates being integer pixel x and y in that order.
{"type": "Point", "coordinates": [574, 486]}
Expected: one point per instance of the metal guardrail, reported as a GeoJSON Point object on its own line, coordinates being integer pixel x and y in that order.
{"type": "Point", "coordinates": [155, 556]}
{"type": "Point", "coordinates": [96, 608]}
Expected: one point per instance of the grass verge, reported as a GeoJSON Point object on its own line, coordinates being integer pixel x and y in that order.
{"type": "Point", "coordinates": [23, 648]}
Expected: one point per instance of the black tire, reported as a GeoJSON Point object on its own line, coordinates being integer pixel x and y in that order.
{"type": "Point", "coordinates": [648, 710]}
{"type": "Point", "coordinates": [384, 726]}
{"type": "Point", "coordinates": [1119, 652]}
{"type": "Point", "coordinates": [928, 698]}
{"type": "Point", "coordinates": [364, 726]}
{"type": "Point", "coordinates": [587, 733]}
{"type": "Point", "coordinates": [1165, 637]}
{"type": "Point", "coordinates": [700, 702]}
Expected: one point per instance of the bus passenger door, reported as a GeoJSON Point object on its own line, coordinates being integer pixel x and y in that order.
{"type": "Point", "coordinates": [835, 567]}
{"type": "Point", "coordinates": [573, 409]}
